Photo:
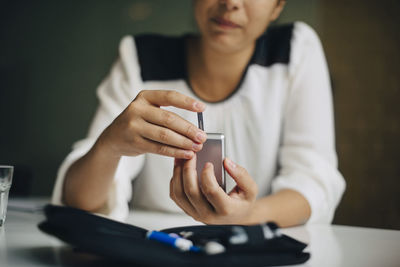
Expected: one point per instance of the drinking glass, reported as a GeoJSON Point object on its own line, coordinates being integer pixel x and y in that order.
{"type": "Point", "coordinates": [6, 173]}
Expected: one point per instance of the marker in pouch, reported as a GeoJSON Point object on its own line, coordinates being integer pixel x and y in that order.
{"type": "Point", "coordinates": [172, 240]}
{"type": "Point", "coordinates": [200, 119]}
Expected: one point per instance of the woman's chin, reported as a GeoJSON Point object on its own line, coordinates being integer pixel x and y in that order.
{"type": "Point", "coordinates": [225, 43]}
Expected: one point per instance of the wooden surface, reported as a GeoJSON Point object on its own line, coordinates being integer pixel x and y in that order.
{"type": "Point", "coordinates": [362, 41]}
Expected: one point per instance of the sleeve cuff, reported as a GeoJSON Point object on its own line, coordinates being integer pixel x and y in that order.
{"type": "Point", "coordinates": [312, 192]}
{"type": "Point", "coordinates": [79, 150]}
{"type": "Point", "coordinates": [117, 205]}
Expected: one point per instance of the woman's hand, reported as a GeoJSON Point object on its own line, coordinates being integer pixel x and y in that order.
{"type": "Point", "coordinates": [143, 127]}
{"type": "Point", "coordinates": [205, 200]}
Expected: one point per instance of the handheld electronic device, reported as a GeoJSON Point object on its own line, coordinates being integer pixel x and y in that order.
{"type": "Point", "coordinates": [213, 151]}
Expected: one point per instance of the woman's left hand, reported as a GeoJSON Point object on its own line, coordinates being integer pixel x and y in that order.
{"type": "Point", "coordinates": [206, 201]}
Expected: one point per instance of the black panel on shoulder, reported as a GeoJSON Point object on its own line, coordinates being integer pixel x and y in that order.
{"type": "Point", "coordinates": [161, 58]}
{"type": "Point", "coordinates": [274, 46]}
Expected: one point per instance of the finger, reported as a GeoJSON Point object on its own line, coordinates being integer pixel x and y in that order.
{"type": "Point", "coordinates": [154, 147]}
{"type": "Point", "coordinates": [166, 136]}
{"type": "Point", "coordinates": [242, 178]}
{"type": "Point", "coordinates": [177, 193]}
{"type": "Point", "coordinates": [174, 122]}
{"type": "Point", "coordinates": [212, 190]}
{"type": "Point", "coordinates": [192, 189]}
{"type": "Point", "coordinates": [176, 173]}
{"type": "Point", "coordinates": [172, 98]}
{"type": "Point", "coordinates": [177, 162]}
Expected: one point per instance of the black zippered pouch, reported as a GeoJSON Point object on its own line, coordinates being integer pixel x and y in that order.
{"type": "Point", "coordinates": [128, 243]}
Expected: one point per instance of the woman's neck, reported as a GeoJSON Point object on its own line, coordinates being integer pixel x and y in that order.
{"type": "Point", "coordinates": [213, 76]}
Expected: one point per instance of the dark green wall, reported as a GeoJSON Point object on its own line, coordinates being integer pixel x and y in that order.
{"type": "Point", "coordinates": [53, 56]}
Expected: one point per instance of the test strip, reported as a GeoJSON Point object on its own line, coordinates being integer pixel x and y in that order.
{"type": "Point", "coordinates": [200, 119]}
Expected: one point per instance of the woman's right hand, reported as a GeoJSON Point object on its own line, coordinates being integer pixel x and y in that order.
{"type": "Point", "coordinates": [143, 127]}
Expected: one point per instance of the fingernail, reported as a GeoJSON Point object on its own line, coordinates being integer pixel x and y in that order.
{"type": "Point", "coordinates": [188, 154]}
{"type": "Point", "coordinates": [231, 163]}
{"type": "Point", "coordinates": [199, 105]}
{"type": "Point", "coordinates": [201, 136]}
{"type": "Point", "coordinates": [196, 146]}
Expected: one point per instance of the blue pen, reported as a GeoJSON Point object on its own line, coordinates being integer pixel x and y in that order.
{"type": "Point", "coordinates": [174, 241]}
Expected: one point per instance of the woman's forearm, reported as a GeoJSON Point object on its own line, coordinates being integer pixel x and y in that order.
{"type": "Point", "coordinates": [286, 208]}
{"type": "Point", "coordinates": [88, 181]}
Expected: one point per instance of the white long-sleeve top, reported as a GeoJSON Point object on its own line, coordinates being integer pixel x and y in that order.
{"type": "Point", "coordinates": [278, 123]}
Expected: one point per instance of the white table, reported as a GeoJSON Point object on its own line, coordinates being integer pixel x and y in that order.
{"type": "Point", "coordinates": [22, 244]}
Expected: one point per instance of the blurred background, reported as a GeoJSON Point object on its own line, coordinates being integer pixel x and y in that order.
{"type": "Point", "coordinates": [54, 53]}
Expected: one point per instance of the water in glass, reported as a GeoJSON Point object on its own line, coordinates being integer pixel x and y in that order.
{"type": "Point", "coordinates": [6, 173]}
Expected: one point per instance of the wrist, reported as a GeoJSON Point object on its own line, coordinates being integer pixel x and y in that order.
{"type": "Point", "coordinates": [104, 148]}
{"type": "Point", "coordinates": [257, 213]}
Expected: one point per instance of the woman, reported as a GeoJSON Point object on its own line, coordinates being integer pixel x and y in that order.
{"type": "Point", "coordinates": [268, 93]}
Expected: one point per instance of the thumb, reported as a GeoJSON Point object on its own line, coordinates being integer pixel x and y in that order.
{"type": "Point", "coordinates": [241, 177]}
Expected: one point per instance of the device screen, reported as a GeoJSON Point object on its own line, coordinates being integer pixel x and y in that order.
{"type": "Point", "coordinates": [213, 152]}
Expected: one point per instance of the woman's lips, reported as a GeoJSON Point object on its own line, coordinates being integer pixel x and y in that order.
{"type": "Point", "coordinates": [225, 23]}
